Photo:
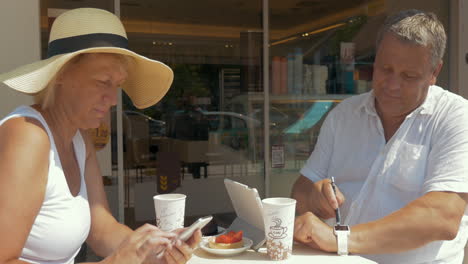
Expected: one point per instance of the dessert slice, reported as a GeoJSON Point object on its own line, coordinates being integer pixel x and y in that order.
{"type": "Point", "coordinates": [227, 241]}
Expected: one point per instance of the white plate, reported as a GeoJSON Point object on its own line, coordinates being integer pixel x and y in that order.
{"type": "Point", "coordinates": [226, 252]}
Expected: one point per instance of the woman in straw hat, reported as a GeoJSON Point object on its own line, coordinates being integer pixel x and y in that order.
{"type": "Point", "coordinates": [52, 197]}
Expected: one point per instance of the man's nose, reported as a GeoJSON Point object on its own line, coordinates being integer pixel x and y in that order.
{"type": "Point", "coordinates": [393, 82]}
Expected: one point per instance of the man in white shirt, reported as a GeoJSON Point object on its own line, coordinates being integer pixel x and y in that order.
{"type": "Point", "coordinates": [399, 156]}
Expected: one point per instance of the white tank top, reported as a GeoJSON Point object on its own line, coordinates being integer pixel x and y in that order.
{"type": "Point", "coordinates": [63, 222]}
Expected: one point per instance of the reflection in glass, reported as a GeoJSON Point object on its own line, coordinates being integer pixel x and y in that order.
{"type": "Point", "coordinates": [321, 54]}
{"type": "Point", "coordinates": [195, 137]}
{"type": "Point", "coordinates": [317, 61]}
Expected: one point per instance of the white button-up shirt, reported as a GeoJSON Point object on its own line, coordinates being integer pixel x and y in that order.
{"type": "Point", "coordinates": [429, 152]}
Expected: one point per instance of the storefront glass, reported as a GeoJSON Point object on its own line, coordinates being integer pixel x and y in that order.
{"type": "Point", "coordinates": [196, 136]}
{"type": "Point", "coordinates": [321, 53]}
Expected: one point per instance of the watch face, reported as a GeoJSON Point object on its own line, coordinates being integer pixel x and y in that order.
{"type": "Point", "coordinates": [342, 228]}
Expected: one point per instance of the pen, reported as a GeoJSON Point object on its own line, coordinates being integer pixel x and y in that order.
{"type": "Point", "coordinates": [337, 210]}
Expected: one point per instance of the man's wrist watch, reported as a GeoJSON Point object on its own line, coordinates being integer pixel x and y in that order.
{"type": "Point", "coordinates": [342, 233]}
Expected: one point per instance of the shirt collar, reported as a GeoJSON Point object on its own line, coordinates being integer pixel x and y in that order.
{"type": "Point", "coordinates": [368, 104]}
{"type": "Point", "coordinates": [426, 108]}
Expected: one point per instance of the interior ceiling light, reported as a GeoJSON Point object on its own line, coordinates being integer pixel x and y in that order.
{"type": "Point", "coordinates": [307, 34]}
{"type": "Point", "coordinates": [324, 29]}
{"type": "Point", "coordinates": [283, 40]}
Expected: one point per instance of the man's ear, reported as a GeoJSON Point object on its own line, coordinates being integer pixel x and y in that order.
{"type": "Point", "coordinates": [436, 72]}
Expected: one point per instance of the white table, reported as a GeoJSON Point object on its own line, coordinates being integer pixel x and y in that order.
{"type": "Point", "coordinates": [301, 254]}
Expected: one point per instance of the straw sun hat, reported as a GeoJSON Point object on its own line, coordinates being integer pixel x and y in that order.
{"type": "Point", "coordinates": [90, 30]}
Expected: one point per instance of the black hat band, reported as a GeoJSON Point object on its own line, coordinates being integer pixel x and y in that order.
{"type": "Point", "coordinates": [76, 43]}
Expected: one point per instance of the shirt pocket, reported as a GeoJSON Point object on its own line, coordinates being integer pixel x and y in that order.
{"type": "Point", "coordinates": [409, 168]}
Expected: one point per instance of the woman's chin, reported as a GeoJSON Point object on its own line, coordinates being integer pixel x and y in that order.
{"type": "Point", "coordinates": [92, 125]}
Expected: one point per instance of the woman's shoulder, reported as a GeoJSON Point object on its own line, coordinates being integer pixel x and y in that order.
{"type": "Point", "coordinates": [24, 131]}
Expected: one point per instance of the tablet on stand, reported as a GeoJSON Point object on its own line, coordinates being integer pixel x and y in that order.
{"type": "Point", "coordinates": [249, 211]}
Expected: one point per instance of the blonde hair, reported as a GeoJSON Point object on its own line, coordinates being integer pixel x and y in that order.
{"type": "Point", "coordinates": [45, 98]}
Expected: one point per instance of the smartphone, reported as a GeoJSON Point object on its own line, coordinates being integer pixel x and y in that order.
{"type": "Point", "coordinates": [199, 224]}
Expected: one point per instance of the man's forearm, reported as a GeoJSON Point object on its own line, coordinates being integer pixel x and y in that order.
{"type": "Point", "coordinates": [434, 216]}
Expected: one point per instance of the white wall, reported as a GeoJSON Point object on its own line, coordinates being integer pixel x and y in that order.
{"type": "Point", "coordinates": [20, 44]}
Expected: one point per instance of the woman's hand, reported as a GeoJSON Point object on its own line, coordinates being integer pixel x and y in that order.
{"type": "Point", "coordinates": [312, 231]}
{"type": "Point", "coordinates": [145, 242]}
{"type": "Point", "coordinates": [181, 251]}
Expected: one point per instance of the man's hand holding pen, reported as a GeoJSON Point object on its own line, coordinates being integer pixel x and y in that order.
{"type": "Point", "coordinates": [324, 203]}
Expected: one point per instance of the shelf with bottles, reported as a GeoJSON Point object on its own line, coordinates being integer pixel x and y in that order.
{"type": "Point", "coordinates": [290, 75]}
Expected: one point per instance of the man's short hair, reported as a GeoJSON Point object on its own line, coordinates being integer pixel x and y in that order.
{"type": "Point", "coordinates": [417, 27]}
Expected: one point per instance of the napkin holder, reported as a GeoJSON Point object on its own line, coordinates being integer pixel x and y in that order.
{"type": "Point", "coordinates": [249, 211]}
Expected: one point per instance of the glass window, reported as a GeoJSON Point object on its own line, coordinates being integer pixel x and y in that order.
{"type": "Point", "coordinates": [214, 49]}
{"type": "Point", "coordinates": [238, 123]}
{"type": "Point", "coordinates": [321, 53]}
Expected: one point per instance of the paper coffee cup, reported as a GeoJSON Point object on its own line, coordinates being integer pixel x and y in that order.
{"type": "Point", "coordinates": [279, 214]}
{"type": "Point", "coordinates": [170, 211]}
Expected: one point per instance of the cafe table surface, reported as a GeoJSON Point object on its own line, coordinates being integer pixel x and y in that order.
{"type": "Point", "coordinates": [301, 254]}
